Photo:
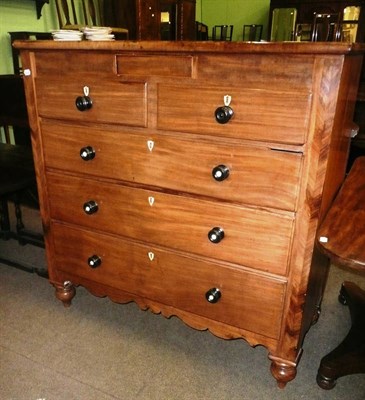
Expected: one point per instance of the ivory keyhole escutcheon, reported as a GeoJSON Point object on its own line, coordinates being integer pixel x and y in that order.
{"type": "Point", "coordinates": [150, 145]}
{"type": "Point", "coordinates": [227, 100]}
{"type": "Point", "coordinates": [151, 200]}
{"type": "Point", "coordinates": [151, 255]}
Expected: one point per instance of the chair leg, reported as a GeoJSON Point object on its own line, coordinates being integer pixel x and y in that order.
{"type": "Point", "coordinates": [4, 219]}
{"type": "Point", "coordinates": [23, 235]}
{"type": "Point", "coordinates": [19, 219]}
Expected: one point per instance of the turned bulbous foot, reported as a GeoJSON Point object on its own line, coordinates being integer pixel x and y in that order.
{"type": "Point", "coordinates": [65, 293]}
{"type": "Point", "coordinates": [283, 372]}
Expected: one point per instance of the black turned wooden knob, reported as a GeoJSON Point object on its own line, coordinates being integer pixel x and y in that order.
{"type": "Point", "coordinates": [87, 153]}
{"type": "Point", "coordinates": [216, 234]}
{"type": "Point", "coordinates": [220, 172]}
{"type": "Point", "coordinates": [223, 114]}
{"type": "Point", "coordinates": [91, 207]}
{"type": "Point", "coordinates": [94, 261]}
{"type": "Point", "coordinates": [83, 103]}
{"type": "Point", "coordinates": [213, 295]}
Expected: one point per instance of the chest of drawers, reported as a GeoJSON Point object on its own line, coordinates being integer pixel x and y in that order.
{"type": "Point", "coordinates": [191, 177]}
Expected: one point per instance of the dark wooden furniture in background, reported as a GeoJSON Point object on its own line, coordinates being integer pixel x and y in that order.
{"type": "Point", "coordinates": [202, 31]}
{"type": "Point", "coordinates": [16, 177]}
{"type": "Point", "coordinates": [24, 35]}
{"type": "Point", "coordinates": [342, 238]}
{"type": "Point", "coordinates": [39, 5]}
{"type": "Point", "coordinates": [13, 110]}
{"type": "Point", "coordinates": [306, 10]}
{"type": "Point", "coordinates": [252, 33]}
{"type": "Point", "coordinates": [75, 16]}
{"type": "Point", "coordinates": [142, 18]}
{"type": "Point", "coordinates": [358, 143]}
{"type": "Point", "coordinates": [68, 17]}
{"type": "Point", "coordinates": [222, 32]}
{"type": "Point", "coordinates": [211, 212]}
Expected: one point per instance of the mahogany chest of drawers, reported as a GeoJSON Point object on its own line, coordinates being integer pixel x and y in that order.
{"type": "Point", "coordinates": [191, 177]}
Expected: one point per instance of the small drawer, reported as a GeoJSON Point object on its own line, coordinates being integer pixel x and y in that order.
{"type": "Point", "coordinates": [247, 301]}
{"type": "Point", "coordinates": [76, 64]}
{"type": "Point", "coordinates": [258, 71]}
{"type": "Point", "coordinates": [254, 175]}
{"type": "Point", "coordinates": [157, 65]}
{"type": "Point", "coordinates": [69, 63]}
{"type": "Point", "coordinates": [250, 237]}
{"type": "Point", "coordinates": [259, 114]}
{"type": "Point", "coordinates": [123, 103]}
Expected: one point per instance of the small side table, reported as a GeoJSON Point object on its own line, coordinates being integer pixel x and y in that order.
{"type": "Point", "coordinates": [342, 238]}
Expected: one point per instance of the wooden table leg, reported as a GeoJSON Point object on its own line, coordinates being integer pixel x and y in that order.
{"type": "Point", "coordinates": [349, 357]}
{"type": "Point", "coordinates": [4, 219]}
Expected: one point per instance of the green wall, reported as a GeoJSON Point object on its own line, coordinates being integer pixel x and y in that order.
{"type": "Point", "coordinates": [234, 12]}
{"type": "Point", "coordinates": [20, 15]}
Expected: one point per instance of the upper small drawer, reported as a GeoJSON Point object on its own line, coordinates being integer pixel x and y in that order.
{"type": "Point", "coordinates": [155, 65]}
{"type": "Point", "coordinates": [62, 76]}
{"type": "Point", "coordinates": [70, 63]}
{"type": "Point", "coordinates": [265, 115]}
{"type": "Point", "coordinates": [112, 101]}
{"type": "Point", "coordinates": [74, 63]}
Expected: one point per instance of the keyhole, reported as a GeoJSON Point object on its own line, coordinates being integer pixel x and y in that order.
{"type": "Point", "coordinates": [150, 144]}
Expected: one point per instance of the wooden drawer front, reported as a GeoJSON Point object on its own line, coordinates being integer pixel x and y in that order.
{"type": "Point", "coordinates": [109, 65]}
{"type": "Point", "coordinates": [258, 70]}
{"type": "Point", "coordinates": [257, 175]}
{"type": "Point", "coordinates": [74, 64]}
{"type": "Point", "coordinates": [248, 301]}
{"type": "Point", "coordinates": [253, 238]}
{"type": "Point", "coordinates": [258, 114]}
{"type": "Point", "coordinates": [155, 65]}
{"type": "Point", "coordinates": [124, 103]}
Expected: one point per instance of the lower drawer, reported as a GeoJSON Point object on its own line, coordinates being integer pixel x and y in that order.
{"type": "Point", "coordinates": [251, 237]}
{"type": "Point", "coordinates": [248, 301]}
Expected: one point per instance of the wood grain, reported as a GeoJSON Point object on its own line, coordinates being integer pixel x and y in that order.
{"type": "Point", "coordinates": [342, 233]}
{"type": "Point", "coordinates": [258, 114]}
{"type": "Point", "coordinates": [178, 163]}
{"type": "Point", "coordinates": [177, 222]}
{"type": "Point", "coordinates": [126, 266]}
{"type": "Point", "coordinates": [114, 102]}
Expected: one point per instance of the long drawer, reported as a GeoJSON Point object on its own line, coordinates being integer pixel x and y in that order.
{"type": "Point", "coordinates": [256, 175]}
{"type": "Point", "coordinates": [251, 237]}
{"type": "Point", "coordinates": [172, 279]}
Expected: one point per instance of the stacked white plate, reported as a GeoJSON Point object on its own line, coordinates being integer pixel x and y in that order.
{"type": "Point", "coordinates": [64, 34]}
{"type": "Point", "coordinates": [98, 33]}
